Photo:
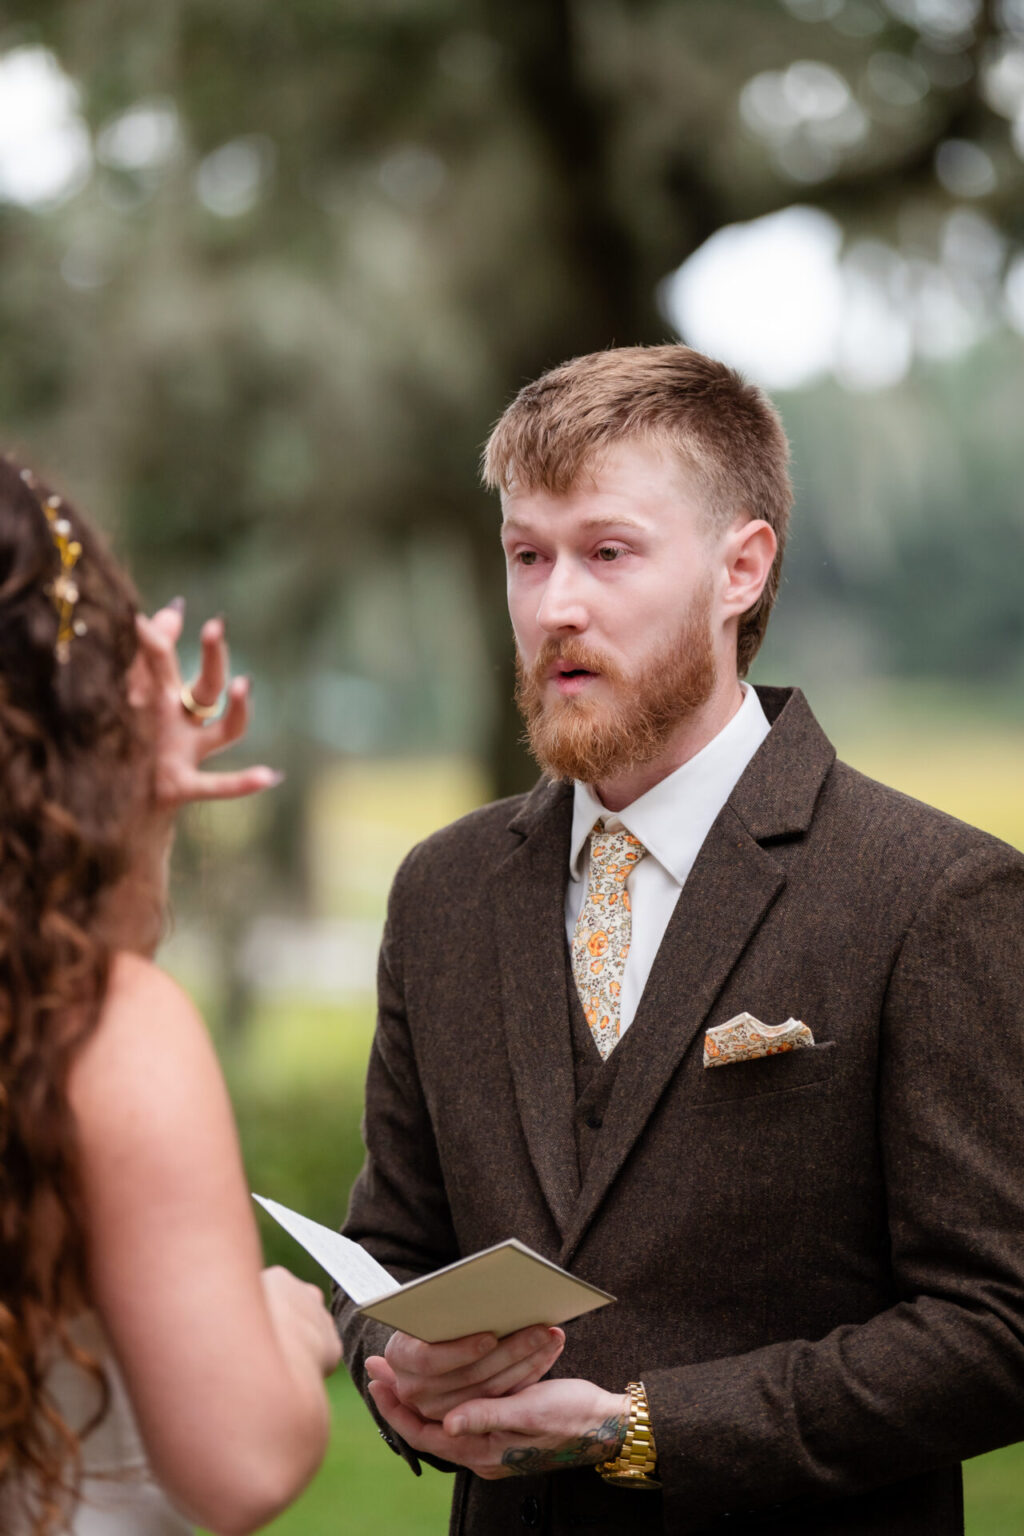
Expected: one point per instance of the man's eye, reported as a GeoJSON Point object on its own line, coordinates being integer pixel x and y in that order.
{"type": "Point", "coordinates": [527, 557]}
{"type": "Point", "coordinates": [609, 552]}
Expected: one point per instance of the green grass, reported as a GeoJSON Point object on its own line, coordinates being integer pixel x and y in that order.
{"type": "Point", "coordinates": [994, 1493]}
{"type": "Point", "coordinates": [363, 1489]}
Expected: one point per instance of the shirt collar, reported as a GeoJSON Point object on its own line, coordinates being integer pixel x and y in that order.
{"type": "Point", "coordinates": [673, 819]}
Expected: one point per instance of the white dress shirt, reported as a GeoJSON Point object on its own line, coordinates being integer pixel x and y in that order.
{"type": "Point", "coordinates": [671, 820]}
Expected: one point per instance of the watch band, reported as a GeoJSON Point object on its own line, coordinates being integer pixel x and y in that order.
{"type": "Point", "coordinates": [638, 1458]}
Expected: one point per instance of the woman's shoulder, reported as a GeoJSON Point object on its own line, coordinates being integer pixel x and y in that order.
{"type": "Point", "coordinates": [136, 982]}
{"type": "Point", "coordinates": [148, 1055]}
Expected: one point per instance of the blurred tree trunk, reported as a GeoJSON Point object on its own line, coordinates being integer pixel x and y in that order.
{"type": "Point", "coordinates": [594, 301]}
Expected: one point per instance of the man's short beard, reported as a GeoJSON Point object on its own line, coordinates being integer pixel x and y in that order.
{"type": "Point", "coordinates": [593, 739]}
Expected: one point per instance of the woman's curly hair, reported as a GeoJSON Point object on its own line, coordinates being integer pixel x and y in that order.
{"type": "Point", "coordinates": [71, 777]}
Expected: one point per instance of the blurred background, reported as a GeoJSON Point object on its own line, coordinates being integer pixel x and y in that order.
{"type": "Point", "coordinates": [270, 269]}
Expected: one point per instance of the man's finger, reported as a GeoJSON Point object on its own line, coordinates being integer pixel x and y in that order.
{"type": "Point", "coordinates": [482, 1416]}
{"type": "Point", "coordinates": [527, 1345]}
{"type": "Point", "coordinates": [406, 1421]}
{"type": "Point", "coordinates": [515, 1378]}
{"type": "Point", "coordinates": [523, 1373]}
{"type": "Point", "coordinates": [412, 1356]}
{"type": "Point", "coordinates": [213, 665]}
{"type": "Point", "coordinates": [424, 1435]}
{"type": "Point", "coordinates": [378, 1369]}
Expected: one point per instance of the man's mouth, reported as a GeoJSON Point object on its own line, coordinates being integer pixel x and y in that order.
{"type": "Point", "coordinates": [569, 679]}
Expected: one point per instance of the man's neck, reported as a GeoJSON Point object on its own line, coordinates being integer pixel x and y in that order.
{"type": "Point", "coordinates": [691, 736]}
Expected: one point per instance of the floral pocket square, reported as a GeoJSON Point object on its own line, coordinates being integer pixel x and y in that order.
{"type": "Point", "coordinates": [744, 1038]}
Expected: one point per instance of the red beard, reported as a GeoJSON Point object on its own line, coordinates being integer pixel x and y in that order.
{"type": "Point", "coordinates": [594, 739]}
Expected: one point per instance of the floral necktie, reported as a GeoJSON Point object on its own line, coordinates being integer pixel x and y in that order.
{"type": "Point", "coordinates": [601, 938]}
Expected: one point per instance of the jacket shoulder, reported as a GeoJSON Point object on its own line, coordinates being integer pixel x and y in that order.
{"type": "Point", "coordinates": [916, 833]}
{"type": "Point", "coordinates": [461, 852]}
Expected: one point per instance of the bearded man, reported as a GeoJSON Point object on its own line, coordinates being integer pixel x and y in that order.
{"type": "Point", "coordinates": [816, 1251]}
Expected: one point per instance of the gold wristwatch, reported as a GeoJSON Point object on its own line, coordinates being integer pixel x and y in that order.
{"type": "Point", "coordinates": [638, 1458]}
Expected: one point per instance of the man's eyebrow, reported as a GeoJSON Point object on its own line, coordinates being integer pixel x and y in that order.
{"type": "Point", "coordinates": [589, 524]}
{"type": "Point", "coordinates": [613, 522]}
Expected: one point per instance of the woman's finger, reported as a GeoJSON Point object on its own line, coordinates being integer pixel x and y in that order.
{"type": "Point", "coordinates": [170, 620]}
{"type": "Point", "coordinates": [213, 664]}
{"type": "Point", "coordinates": [226, 786]}
{"type": "Point", "coordinates": [160, 653]}
{"type": "Point", "coordinates": [232, 724]}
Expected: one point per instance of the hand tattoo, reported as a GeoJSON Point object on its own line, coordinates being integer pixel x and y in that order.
{"type": "Point", "coordinates": [587, 1450]}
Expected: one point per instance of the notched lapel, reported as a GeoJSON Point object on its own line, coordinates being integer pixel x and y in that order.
{"type": "Point", "coordinates": [529, 906]}
{"type": "Point", "coordinates": [730, 889]}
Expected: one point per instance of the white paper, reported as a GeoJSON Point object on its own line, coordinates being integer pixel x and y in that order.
{"type": "Point", "coordinates": [356, 1271]}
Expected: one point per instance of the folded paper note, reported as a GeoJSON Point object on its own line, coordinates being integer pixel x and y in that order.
{"type": "Point", "coordinates": [495, 1291]}
{"type": "Point", "coordinates": [744, 1038]}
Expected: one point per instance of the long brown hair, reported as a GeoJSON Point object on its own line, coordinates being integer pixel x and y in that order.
{"type": "Point", "coordinates": [71, 777]}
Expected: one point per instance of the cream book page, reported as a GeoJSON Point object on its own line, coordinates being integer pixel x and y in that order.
{"type": "Point", "coordinates": [495, 1291]}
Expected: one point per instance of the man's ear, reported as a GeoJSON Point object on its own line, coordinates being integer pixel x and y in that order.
{"type": "Point", "coordinates": [747, 554]}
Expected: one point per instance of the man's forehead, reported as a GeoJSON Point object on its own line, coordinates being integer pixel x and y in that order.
{"type": "Point", "coordinates": [634, 484]}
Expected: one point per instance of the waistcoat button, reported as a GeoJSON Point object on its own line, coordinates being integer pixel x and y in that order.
{"type": "Point", "coordinates": [530, 1512]}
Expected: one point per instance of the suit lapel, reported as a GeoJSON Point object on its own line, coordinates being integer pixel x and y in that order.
{"type": "Point", "coordinates": [529, 904]}
{"type": "Point", "coordinates": [733, 884]}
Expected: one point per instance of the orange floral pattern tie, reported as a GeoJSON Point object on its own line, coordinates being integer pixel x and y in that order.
{"type": "Point", "coordinates": [601, 938]}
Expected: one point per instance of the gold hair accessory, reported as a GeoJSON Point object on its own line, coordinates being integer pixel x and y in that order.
{"type": "Point", "coordinates": [63, 590]}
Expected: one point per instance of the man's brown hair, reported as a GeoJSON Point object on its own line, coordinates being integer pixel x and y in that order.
{"type": "Point", "coordinates": [723, 430]}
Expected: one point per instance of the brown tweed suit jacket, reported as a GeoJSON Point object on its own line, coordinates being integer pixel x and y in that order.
{"type": "Point", "coordinates": [819, 1257]}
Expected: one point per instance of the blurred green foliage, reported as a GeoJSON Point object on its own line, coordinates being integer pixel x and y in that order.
{"type": "Point", "coordinates": [315, 248]}
{"type": "Point", "coordinates": [322, 244]}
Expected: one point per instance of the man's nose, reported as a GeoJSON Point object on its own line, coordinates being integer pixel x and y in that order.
{"type": "Point", "coordinates": [562, 605]}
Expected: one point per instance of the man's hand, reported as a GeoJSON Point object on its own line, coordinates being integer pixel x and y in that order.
{"type": "Point", "coordinates": [182, 742]}
{"type": "Point", "coordinates": [431, 1379]}
{"type": "Point", "coordinates": [550, 1427]}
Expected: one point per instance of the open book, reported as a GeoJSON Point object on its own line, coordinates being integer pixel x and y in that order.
{"type": "Point", "coordinates": [495, 1291]}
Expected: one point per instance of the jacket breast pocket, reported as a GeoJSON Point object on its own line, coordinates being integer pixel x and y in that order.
{"type": "Point", "coordinates": [785, 1073]}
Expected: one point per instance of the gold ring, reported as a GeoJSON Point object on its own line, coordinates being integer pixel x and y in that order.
{"type": "Point", "coordinates": [192, 707]}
